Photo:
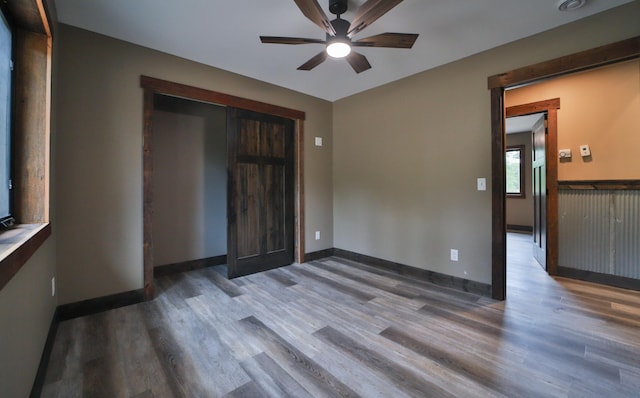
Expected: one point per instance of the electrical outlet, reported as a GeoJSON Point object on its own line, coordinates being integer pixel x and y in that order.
{"type": "Point", "coordinates": [318, 141]}
{"type": "Point", "coordinates": [317, 235]}
{"type": "Point", "coordinates": [454, 254]}
{"type": "Point", "coordinates": [53, 286]}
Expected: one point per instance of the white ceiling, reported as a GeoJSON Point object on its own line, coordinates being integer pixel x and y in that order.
{"type": "Point", "coordinates": [522, 124]}
{"type": "Point", "coordinates": [224, 34]}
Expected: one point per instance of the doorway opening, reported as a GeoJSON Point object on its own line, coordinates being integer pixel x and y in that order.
{"type": "Point", "coordinates": [189, 184]}
{"type": "Point", "coordinates": [497, 84]}
{"type": "Point", "coordinates": [544, 178]}
{"type": "Point", "coordinates": [525, 167]}
{"type": "Point", "coordinates": [531, 128]}
{"type": "Point", "coordinates": [293, 119]}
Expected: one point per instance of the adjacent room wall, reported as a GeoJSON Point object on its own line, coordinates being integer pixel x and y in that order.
{"type": "Point", "coordinates": [189, 186]}
{"type": "Point", "coordinates": [599, 108]}
{"type": "Point", "coordinates": [100, 156]}
{"type": "Point", "coordinates": [407, 154]}
{"type": "Point", "coordinates": [520, 210]}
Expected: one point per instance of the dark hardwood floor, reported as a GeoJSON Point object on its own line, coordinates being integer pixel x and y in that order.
{"type": "Point", "coordinates": [337, 328]}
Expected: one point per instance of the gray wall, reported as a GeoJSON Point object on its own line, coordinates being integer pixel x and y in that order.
{"type": "Point", "coordinates": [407, 154]}
{"type": "Point", "coordinates": [189, 186]}
{"type": "Point", "coordinates": [520, 210]}
{"type": "Point", "coordinates": [100, 156]}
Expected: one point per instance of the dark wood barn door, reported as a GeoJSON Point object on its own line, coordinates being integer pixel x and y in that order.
{"type": "Point", "coordinates": [260, 206]}
{"type": "Point", "coordinates": [539, 193]}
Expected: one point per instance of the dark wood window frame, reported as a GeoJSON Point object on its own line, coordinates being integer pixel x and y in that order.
{"type": "Point", "coordinates": [152, 86]}
{"type": "Point", "coordinates": [31, 126]}
{"type": "Point", "coordinates": [522, 157]}
{"type": "Point", "coordinates": [608, 54]}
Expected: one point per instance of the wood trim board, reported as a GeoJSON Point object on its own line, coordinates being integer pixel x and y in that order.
{"type": "Point", "coordinates": [596, 277]}
{"type": "Point", "coordinates": [436, 278]}
{"type": "Point", "coordinates": [11, 264]}
{"type": "Point", "coordinates": [39, 381]}
{"type": "Point", "coordinates": [607, 54]}
{"type": "Point", "coordinates": [185, 266]}
{"type": "Point", "coordinates": [160, 86]}
{"type": "Point", "coordinates": [613, 185]}
{"type": "Point", "coordinates": [320, 254]}
{"type": "Point", "coordinates": [520, 228]}
{"type": "Point", "coordinates": [99, 304]}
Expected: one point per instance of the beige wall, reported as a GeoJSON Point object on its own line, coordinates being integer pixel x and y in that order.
{"type": "Point", "coordinates": [100, 156]}
{"type": "Point", "coordinates": [407, 155]}
{"type": "Point", "coordinates": [599, 108]}
{"type": "Point", "coordinates": [26, 310]}
{"type": "Point", "coordinates": [520, 210]}
{"type": "Point", "coordinates": [189, 186]}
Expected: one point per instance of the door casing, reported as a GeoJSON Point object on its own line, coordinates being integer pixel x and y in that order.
{"type": "Point", "coordinates": [608, 54]}
{"type": "Point", "coordinates": [152, 86]}
{"type": "Point", "coordinates": [550, 108]}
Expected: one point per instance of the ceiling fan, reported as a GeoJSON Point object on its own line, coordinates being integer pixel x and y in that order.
{"type": "Point", "coordinates": [339, 32]}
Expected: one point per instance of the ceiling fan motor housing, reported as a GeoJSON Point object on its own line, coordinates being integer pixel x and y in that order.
{"type": "Point", "coordinates": [341, 27]}
{"type": "Point", "coordinates": [338, 6]}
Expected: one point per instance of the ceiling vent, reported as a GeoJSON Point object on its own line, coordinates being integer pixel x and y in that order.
{"type": "Point", "coordinates": [571, 5]}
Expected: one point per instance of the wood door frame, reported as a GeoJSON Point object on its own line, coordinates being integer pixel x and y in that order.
{"type": "Point", "coordinates": [611, 53]}
{"type": "Point", "coordinates": [152, 86]}
{"type": "Point", "coordinates": [550, 108]}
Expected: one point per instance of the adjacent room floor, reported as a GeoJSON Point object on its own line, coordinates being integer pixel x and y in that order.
{"type": "Point", "coordinates": [337, 328]}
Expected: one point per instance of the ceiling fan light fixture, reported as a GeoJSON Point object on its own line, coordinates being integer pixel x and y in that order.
{"type": "Point", "coordinates": [570, 5]}
{"type": "Point", "coordinates": [338, 49]}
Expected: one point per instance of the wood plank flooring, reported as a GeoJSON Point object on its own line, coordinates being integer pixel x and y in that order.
{"type": "Point", "coordinates": [335, 328]}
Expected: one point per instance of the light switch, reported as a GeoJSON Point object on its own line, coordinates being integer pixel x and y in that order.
{"type": "Point", "coordinates": [454, 254]}
{"type": "Point", "coordinates": [482, 184]}
{"type": "Point", "coordinates": [318, 141]}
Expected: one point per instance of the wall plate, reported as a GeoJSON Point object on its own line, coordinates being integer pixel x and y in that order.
{"type": "Point", "coordinates": [585, 150]}
{"type": "Point", "coordinates": [564, 153]}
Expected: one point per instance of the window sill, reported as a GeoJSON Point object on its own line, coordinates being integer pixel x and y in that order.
{"type": "Point", "coordinates": [17, 245]}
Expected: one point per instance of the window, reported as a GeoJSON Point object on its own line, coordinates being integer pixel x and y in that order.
{"type": "Point", "coordinates": [31, 46]}
{"type": "Point", "coordinates": [5, 121]}
{"type": "Point", "coordinates": [514, 166]}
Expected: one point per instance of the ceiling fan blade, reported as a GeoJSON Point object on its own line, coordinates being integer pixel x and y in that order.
{"type": "Point", "coordinates": [312, 10]}
{"type": "Point", "coordinates": [289, 40]}
{"type": "Point", "coordinates": [358, 62]}
{"type": "Point", "coordinates": [390, 40]}
{"type": "Point", "coordinates": [315, 61]}
{"type": "Point", "coordinates": [369, 12]}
